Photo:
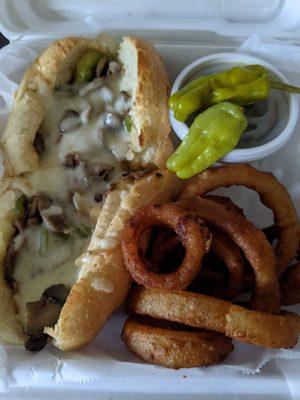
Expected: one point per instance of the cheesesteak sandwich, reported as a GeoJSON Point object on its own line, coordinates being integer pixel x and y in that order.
{"type": "Point", "coordinates": [83, 145]}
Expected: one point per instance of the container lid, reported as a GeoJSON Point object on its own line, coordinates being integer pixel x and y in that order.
{"type": "Point", "coordinates": [47, 19]}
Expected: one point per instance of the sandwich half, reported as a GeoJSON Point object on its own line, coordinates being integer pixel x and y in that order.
{"type": "Point", "coordinates": [85, 145]}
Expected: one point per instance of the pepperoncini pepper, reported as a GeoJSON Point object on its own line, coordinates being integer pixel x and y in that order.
{"type": "Point", "coordinates": [86, 67]}
{"type": "Point", "coordinates": [240, 85]}
{"type": "Point", "coordinates": [214, 133]}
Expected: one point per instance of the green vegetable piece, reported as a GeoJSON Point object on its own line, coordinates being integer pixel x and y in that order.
{"type": "Point", "coordinates": [128, 123]}
{"type": "Point", "coordinates": [243, 94]}
{"type": "Point", "coordinates": [240, 85]}
{"type": "Point", "coordinates": [83, 231]}
{"type": "Point", "coordinates": [189, 86]}
{"type": "Point", "coordinates": [86, 67]}
{"type": "Point", "coordinates": [43, 242]}
{"type": "Point", "coordinates": [213, 134]}
{"type": "Point", "coordinates": [20, 206]}
{"type": "Point", "coordinates": [285, 87]}
{"type": "Point", "coordinates": [193, 100]}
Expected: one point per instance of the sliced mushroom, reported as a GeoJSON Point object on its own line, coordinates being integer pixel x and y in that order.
{"type": "Point", "coordinates": [33, 206]}
{"type": "Point", "coordinates": [20, 224]}
{"type": "Point", "coordinates": [21, 207]}
{"type": "Point", "coordinates": [39, 143]}
{"type": "Point", "coordinates": [39, 314]}
{"type": "Point", "coordinates": [124, 95]}
{"type": "Point", "coordinates": [55, 219]}
{"type": "Point", "coordinates": [102, 67]}
{"type": "Point", "coordinates": [91, 86]}
{"type": "Point", "coordinates": [72, 160]}
{"type": "Point", "coordinates": [36, 342]}
{"type": "Point", "coordinates": [58, 292]}
{"type": "Point", "coordinates": [98, 197]}
{"type": "Point", "coordinates": [27, 212]}
{"type": "Point", "coordinates": [100, 170]}
{"type": "Point", "coordinates": [113, 68]}
{"type": "Point", "coordinates": [44, 201]}
{"type": "Point", "coordinates": [111, 121]}
{"type": "Point", "coordinates": [33, 221]}
{"type": "Point", "coordinates": [70, 121]}
{"type": "Point", "coordinates": [123, 104]}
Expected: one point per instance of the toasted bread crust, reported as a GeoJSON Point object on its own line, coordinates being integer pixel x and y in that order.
{"type": "Point", "coordinates": [11, 331]}
{"type": "Point", "coordinates": [150, 110]}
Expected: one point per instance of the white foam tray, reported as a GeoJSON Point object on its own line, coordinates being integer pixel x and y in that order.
{"type": "Point", "coordinates": [181, 32]}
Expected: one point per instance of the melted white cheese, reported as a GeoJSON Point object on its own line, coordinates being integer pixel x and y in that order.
{"type": "Point", "coordinates": [93, 143]}
{"type": "Point", "coordinates": [102, 284]}
{"type": "Point", "coordinates": [34, 272]}
{"type": "Point", "coordinates": [107, 243]}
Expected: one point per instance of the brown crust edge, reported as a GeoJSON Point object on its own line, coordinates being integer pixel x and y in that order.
{"type": "Point", "coordinates": [87, 309]}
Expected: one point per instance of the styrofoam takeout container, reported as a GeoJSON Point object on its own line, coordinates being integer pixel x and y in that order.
{"type": "Point", "coordinates": [182, 32]}
{"type": "Point", "coordinates": [274, 130]}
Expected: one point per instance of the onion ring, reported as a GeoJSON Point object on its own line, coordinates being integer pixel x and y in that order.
{"type": "Point", "coordinates": [272, 194]}
{"type": "Point", "coordinates": [173, 348]}
{"type": "Point", "coordinates": [186, 229]}
{"type": "Point", "coordinates": [226, 201]}
{"type": "Point", "coordinates": [230, 254]}
{"type": "Point", "coordinates": [251, 240]}
{"type": "Point", "coordinates": [201, 311]}
{"type": "Point", "coordinates": [290, 285]}
{"type": "Point", "coordinates": [225, 255]}
{"type": "Point", "coordinates": [167, 245]}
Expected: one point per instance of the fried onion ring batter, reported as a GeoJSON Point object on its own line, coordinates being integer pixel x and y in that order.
{"type": "Point", "coordinates": [173, 348]}
{"type": "Point", "coordinates": [251, 240]}
{"type": "Point", "coordinates": [187, 231]}
{"type": "Point", "coordinates": [229, 253]}
{"type": "Point", "coordinates": [272, 194]}
{"type": "Point", "coordinates": [201, 311]}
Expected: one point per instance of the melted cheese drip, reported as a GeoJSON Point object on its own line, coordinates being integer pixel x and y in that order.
{"type": "Point", "coordinates": [35, 272]}
{"type": "Point", "coordinates": [103, 285]}
{"type": "Point", "coordinates": [94, 143]}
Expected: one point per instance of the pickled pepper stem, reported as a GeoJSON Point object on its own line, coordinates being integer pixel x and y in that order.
{"type": "Point", "coordinates": [285, 87]}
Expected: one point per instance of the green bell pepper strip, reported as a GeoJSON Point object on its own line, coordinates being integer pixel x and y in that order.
{"type": "Point", "coordinates": [20, 206]}
{"type": "Point", "coordinates": [128, 123]}
{"type": "Point", "coordinates": [85, 70]}
{"type": "Point", "coordinates": [213, 134]}
{"type": "Point", "coordinates": [240, 85]}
